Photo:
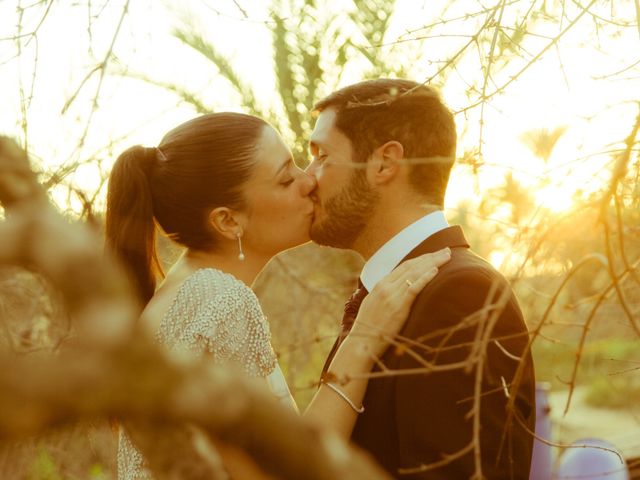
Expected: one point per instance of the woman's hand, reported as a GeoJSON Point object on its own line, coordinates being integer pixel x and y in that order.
{"type": "Point", "coordinates": [381, 316]}
{"type": "Point", "coordinates": [384, 311]}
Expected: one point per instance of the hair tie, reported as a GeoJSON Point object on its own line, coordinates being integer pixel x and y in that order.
{"type": "Point", "coordinates": [148, 160]}
{"type": "Point", "coordinates": [161, 156]}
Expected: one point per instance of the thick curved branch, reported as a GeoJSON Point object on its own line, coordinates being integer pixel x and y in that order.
{"type": "Point", "coordinates": [113, 369]}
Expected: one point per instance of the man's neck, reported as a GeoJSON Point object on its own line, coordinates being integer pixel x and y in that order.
{"type": "Point", "coordinates": [385, 224]}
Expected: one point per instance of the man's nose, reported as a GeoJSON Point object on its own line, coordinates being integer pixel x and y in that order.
{"type": "Point", "coordinates": [310, 182]}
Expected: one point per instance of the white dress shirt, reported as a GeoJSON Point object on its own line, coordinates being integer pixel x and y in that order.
{"type": "Point", "coordinates": [391, 253]}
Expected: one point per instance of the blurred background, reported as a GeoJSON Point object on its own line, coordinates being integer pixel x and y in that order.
{"type": "Point", "coordinates": [546, 95]}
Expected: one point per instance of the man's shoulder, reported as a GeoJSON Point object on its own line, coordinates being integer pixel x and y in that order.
{"type": "Point", "coordinates": [464, 267]}
{"type": "Point", "coordinates": [460, 288]}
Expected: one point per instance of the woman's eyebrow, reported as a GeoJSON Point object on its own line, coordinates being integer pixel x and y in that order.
{"type": "Point", "coordinates": [284, 165]}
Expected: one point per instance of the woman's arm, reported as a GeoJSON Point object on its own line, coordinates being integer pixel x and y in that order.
{"type": "Point", "coordinates": [382, 314]}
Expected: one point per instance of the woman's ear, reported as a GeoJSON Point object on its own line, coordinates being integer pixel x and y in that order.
{"type": "Point", "coordinates": [226, 222]}
{"type": "Point", "coordinates": [385, 163]}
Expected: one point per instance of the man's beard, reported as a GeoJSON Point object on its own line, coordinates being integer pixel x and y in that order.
{"type": "Point", "coordinates": [346, 213]}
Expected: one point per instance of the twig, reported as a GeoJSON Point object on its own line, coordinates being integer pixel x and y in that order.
{"type": "Point", "coordinates": [242, 10]}
{"type": "Point", "coordinates": [637, 3]}
{"type": "Point", "coordinates": [487, 74]}
{"type": "Point", "coordinates": [618, 174]}
{"type": "Point", "coordinates": [102, 68]}
{"type": "Point", "coordinates": [34, 32]}
{"type": "Point", "coordinates": [446, 460]}
{"type": "Point", "coordinates": [583, 336]}
{"type": "Point", "coordinates": [529, 64]}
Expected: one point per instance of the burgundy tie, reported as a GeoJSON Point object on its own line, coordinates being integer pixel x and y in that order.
{"type": "Point", "coordinates": [350, 312]}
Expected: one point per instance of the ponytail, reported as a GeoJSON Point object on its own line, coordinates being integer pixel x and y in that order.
{"type": "Point", "coordinates": [200, 165]}
{"type": "Point", "coordinates": [130, 225]}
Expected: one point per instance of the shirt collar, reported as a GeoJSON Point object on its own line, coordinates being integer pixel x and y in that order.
{"type": "Point", "coordinates": [391, 253]}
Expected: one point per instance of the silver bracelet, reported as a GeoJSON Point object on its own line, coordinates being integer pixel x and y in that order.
{"type": "Point", "coordinates": [344, 397]}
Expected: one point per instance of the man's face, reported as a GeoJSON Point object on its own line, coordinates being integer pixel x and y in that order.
{"type": "Point", "coordinates": [343, 198]}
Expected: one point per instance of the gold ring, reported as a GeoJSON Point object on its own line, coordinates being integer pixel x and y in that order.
{"type": "Point", "coordinates": [409, 282]}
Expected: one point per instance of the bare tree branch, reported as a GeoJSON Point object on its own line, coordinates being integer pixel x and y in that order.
{"type": "Point", "coordinates": [100, 372]}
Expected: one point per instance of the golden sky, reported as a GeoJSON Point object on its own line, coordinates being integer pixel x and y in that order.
{"type": "Point", "coordinates": [562, 89]}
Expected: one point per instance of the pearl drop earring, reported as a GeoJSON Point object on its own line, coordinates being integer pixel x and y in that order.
{"type": "Point", "coordinates": [241, 254]}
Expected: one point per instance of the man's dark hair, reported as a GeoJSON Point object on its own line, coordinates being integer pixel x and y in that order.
{"type": "Point", "coordinates": [373, 112]}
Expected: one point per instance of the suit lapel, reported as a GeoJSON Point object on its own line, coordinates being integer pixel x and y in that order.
{"type": "Point", "coordinates": [451, 237]}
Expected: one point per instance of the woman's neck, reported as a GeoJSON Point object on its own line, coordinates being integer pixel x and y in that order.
{"type": "Point", "coordinates": [244, 270]}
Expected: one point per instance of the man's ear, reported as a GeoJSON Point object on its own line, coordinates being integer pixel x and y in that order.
{"type": "Point", "coordinates": [385, 163]}
{"type": "Point", "coordinates": [226, 222]}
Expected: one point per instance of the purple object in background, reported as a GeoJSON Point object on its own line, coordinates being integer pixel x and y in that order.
{"type": "Point", "coordinates": [542, 458]}
{"type": "Point", "coordinates": [591, 463]}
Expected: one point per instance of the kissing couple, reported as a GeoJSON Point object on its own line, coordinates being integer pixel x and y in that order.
{"type": "Point", "coordinates": [439, 404]}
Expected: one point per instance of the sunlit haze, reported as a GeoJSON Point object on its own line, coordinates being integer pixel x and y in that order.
{"type": "Point", "coordinates": [567, 88]}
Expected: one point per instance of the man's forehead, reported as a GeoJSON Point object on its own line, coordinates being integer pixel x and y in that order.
{"type": "Point", "coordinates": [324, 129]}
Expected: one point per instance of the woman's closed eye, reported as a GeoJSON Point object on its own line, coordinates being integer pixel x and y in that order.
{"type": "Point", "coordinates": [287, 181]}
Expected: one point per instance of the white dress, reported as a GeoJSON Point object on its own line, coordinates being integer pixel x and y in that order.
{"type": "Point", "coordinates": [217, 314]}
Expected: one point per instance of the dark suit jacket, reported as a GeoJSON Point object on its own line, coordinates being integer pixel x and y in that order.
{"type": "Point", "coordinates": [417, 419]}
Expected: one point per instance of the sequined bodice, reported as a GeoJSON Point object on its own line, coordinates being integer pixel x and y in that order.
{"type": "Point", "coordinates": [213, 313]}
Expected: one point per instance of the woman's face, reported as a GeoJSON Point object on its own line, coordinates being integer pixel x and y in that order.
{"type": "Point", "coordinates": [279, 210]}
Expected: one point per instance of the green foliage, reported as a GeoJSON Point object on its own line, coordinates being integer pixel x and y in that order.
{"type": "Point", "coordinates": [615, 392]}
{"type": "Point", "coordinates": [97, 472]}
{"type": "Point", "coordinates": [511, 194]}
{"type": "Point", "coordinates": [372, 19]}
{"type": "Point", "coordinates": [44, 467]}
{"type": "Point", "coordinates": [284, 59]}
{"type": "Point", "coordinates": [610, 368]}
{"type": "Point", "coordinates": [310, 53]}
{"type": "Point", "coordinates": [196, 41]}
{"type": "Point", "coordinates": [542, 141]}
{"type": "Point", "coordinates": [614, 370]}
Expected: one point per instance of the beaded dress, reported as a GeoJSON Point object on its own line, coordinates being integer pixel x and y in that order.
{"type": "Point", "coordinates": [213, 313]}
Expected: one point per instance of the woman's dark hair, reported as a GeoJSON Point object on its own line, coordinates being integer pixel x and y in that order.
{"type": "Point", "coordinates": [200, 165]}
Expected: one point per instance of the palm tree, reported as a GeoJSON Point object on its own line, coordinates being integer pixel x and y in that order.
{"type": "Point", "coordinates": [542, 141]}
{"type": "Point", "coordinates": [310, 52]}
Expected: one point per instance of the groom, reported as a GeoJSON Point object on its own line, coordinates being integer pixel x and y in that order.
{"type": "Point", "coordinates": [382, 153]}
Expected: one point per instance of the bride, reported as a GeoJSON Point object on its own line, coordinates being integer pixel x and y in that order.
{"type": "Point", "coordinates": [225, 187]}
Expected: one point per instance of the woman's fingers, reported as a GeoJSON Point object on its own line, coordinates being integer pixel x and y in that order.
{"type": "Point", "coordinates": [416, 286]}
{"type": "Point", "coordinates": [437, 259]}
{"type": "Point", "coordinates": [386, 308]}
{"type": "Point", "coordinates": [397, 297]}
{"type": "Point", "coordinates": [413, 268]}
